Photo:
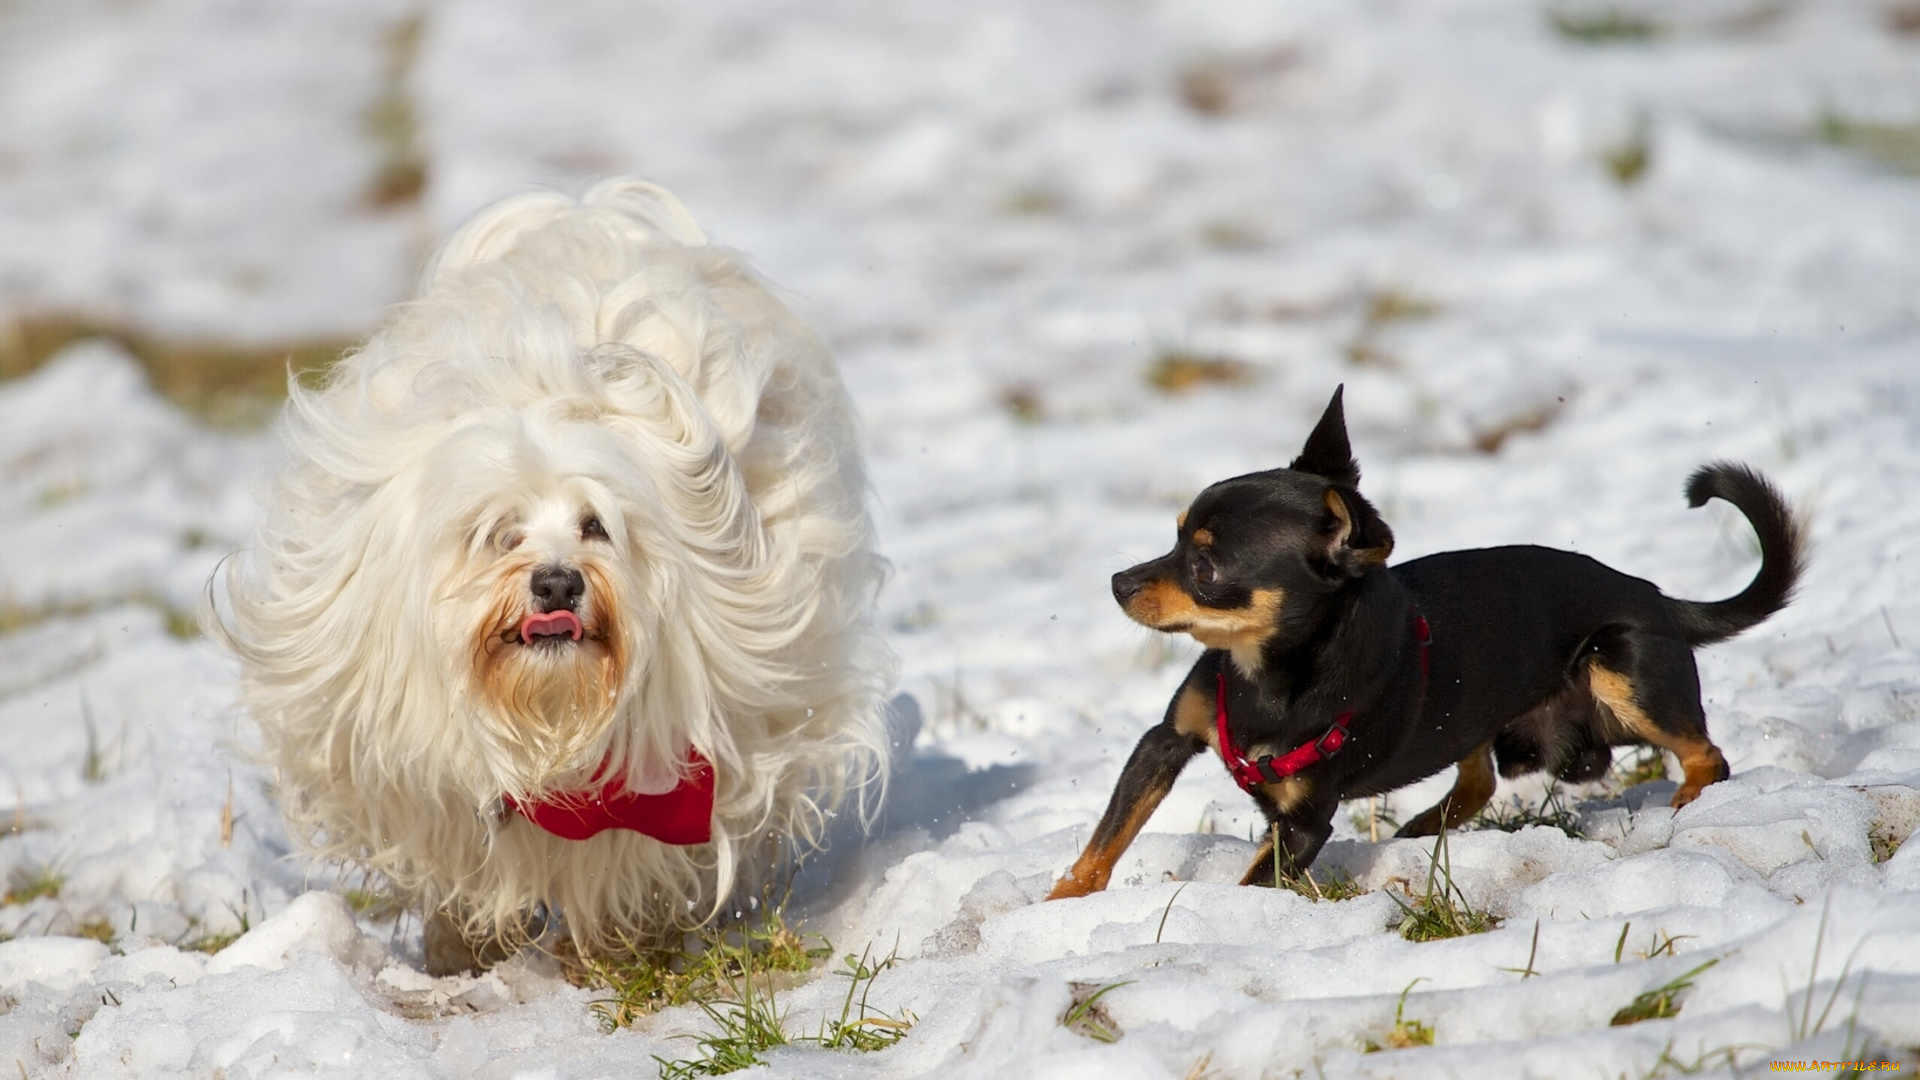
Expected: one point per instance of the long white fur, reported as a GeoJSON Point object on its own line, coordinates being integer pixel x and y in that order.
{"type": "Point", "coordinates": [567, 358]}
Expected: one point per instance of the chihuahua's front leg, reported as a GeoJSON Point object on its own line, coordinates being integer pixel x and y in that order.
{"type": "Point", "coordinates": [1156, 762]}
{"type": "Point", "coordinates": [1302, 830]}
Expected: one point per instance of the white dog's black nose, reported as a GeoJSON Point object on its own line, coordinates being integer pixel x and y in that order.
{"type": "Point", "coordinates": [557, 588]}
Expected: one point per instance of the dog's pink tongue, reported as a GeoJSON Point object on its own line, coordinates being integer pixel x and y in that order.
{"type": "Point", "coordinates": [551, 624]}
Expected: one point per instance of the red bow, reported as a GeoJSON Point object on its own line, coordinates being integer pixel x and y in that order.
{"type": "Point", "coordinates": [681, 816]}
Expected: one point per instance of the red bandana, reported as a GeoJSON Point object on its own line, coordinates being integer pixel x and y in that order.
{"type": "Point", "coordinates": [681, 816]}
{"type": "Point", "coordinates": [1272, 769]}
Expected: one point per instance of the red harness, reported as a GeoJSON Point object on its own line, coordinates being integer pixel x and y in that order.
{"type": "Point", "coordinates": [1273, 769]}
{"type": "Point", "coordinates": [681, 816]}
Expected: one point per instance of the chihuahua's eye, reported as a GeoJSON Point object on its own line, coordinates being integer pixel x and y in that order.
{"type": "Point", "coordinates": [591, 529]}
{"type": "Point", "coordinates": [1203, 571]}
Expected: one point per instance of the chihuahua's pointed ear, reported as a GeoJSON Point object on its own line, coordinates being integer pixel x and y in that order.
{"type": "Point", "coordinates": [1357, 538]}
{"type": "Point", "coordinates": [1328, 453]}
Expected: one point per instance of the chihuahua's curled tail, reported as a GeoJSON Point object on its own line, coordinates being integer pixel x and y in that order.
{"type": "Point", "coordinates": [1782, 554]}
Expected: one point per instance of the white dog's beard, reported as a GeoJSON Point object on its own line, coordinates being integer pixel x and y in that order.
{"type": "Point", "coordinates": [546, 698]}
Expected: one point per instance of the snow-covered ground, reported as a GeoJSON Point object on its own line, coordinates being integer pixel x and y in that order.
{"type": "Point", "coordinates": [1001, 213]}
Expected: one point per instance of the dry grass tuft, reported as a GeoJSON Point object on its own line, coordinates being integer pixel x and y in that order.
{"type": "Point", "coordinates": [1087, 1016]}
{"type": "Point", "coordinates": [1600, 24]}
{"type": "Point", "coordinates": [1337, 886]}
{"type": "Point", "coordinates": [1902, 18]}
{"type": "Point", "coordinates": [703, 969]}
{"type": "Point", "coordinates": [1512, 816]}
{"type": "Point", "coordinates": [1442, 910]}
{"type": "Point", "coordinates": [1199, 1069]}
{"type": "Point", "coordinates": [1178, 371]}
{"type": "Point", "coordinates": [32, 883]}
{"type": "Point", "coordinates": [1883, 842]}
{"type": "Point", "coordinates": [1893, 145]}
{"type": "Point", "coordinates": [1363, 353]}
{"type": "Point", "coordinates": [735, 981]}
{"type": "Point", "coordinates": [1489, 439]}
{"type": "Point", "coordinates": [213, 943]}
{"type": "Point", "coordinates": [1023, 402]}
{"type": "Point", "coordinates": [1437, 915]}
{"type": "Point", "coordinates": [393, 123]}
{"type": "Point", "coordinates": [99, 930]}
{"type": "Point", "coordinates": [1206, 87]}
{"type": "Point", "coordinates": [210, 943]}
{"type": "Point", "coordinates": [1404, 1033]}
{"type": "Point", "coordinates": [226, 816]}
{"type": "Point", "coordinates": [749, 1025]}
{"type": "Point", "coordinates": [1627, 160]}
{"type": "Point", "coordinates": [1033, 200]}
{"type": "Point", "coordinates": [1605, 26]}
{"type": "Point", "coordinates": [1219, 84]}
{"type": "Point", "coordinates": [373, 902]}
{"type": "Point", "coordinates": [180, 623]}
{"type": "Point", "coordinates": [1646, 766]}
{"type": "Point", "coordinates": [1227, 235]}
{"type": "Point", "coordinates": [1380, 309]}
{"type": "Point", "coordinates": [1393, 305]}
{"type": "Point", "coordinates": [226, 382]}
{"type": "Point", "coordinates": [1659, 1003]}
{"type": "Point", "coordinates": [869, 1030]}
{"type": "Point", "coordinates": [21, 822]}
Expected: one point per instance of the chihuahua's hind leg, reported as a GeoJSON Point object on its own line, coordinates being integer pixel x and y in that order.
{"type": "Point", "coordinates": [1471, 791]}
{"type": "Point", "coordinates": [1156, 762]}
{"type": "Point", "coordinates": [1635, 703]}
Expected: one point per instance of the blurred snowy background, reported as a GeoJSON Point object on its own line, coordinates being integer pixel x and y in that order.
{"type": "Point", "coordinates": [1078, 259]}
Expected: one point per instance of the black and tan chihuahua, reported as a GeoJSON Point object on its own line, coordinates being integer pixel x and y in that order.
{"type": "Point", "coordinates": [1329, 675]}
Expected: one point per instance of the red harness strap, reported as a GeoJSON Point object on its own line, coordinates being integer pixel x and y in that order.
{"type": "Point", "coordinates": [1273, 769]}
{"type": "Point", "coordinates": [681, 816]}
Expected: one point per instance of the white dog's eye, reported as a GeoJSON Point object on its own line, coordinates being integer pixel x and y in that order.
{"type": "Point", "coordinates": [508, 539]}
{"type": "Point", "coordinates": [591, 529]}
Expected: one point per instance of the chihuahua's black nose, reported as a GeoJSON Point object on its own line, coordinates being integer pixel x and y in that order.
{"type": "Point", "coordinates": [557, 588]}
{"type": "Point", "coordinates": [1125, 586]}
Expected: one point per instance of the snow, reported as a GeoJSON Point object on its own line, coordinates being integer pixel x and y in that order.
{"type": "Point", "coordinates": [991, 201]}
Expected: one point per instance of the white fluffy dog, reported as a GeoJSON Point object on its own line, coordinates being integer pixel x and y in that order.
{"type": "Point", "coordinates": [574, 546]}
